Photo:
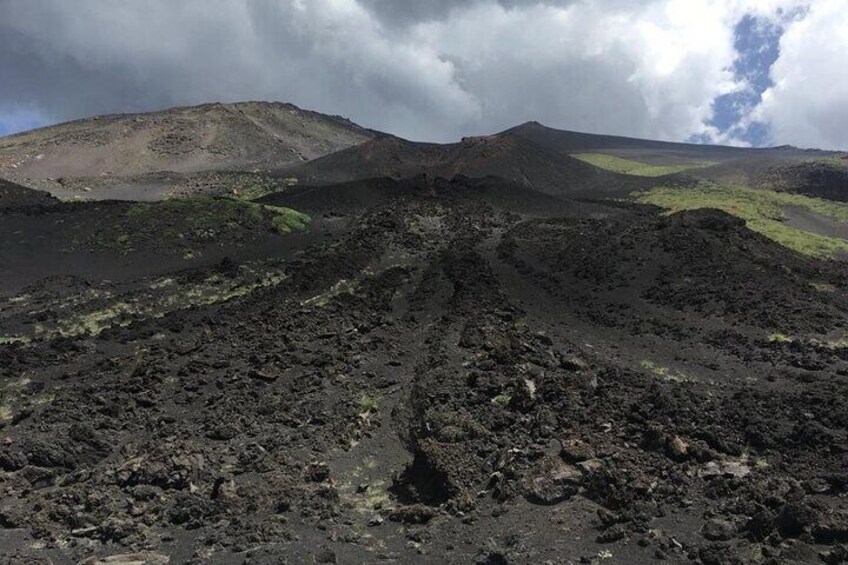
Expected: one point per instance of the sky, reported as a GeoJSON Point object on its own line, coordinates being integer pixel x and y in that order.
{"type": "Point", "coordinates": [742, 72]}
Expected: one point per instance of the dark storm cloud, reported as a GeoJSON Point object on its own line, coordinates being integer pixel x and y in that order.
{"type": "Point", "coordinates": [62, 86]}
{"type": "Point", "coordinates": [393, 11]}
{"type": "Point", "coordinates": [430, 69]}
{"type": "Point", "coordinates": [100, 56]}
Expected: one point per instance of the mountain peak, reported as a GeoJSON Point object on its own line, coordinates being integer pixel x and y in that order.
{"type": "Point", "coordinates": [214, 136]}
{"type": "Point", "coordinates": [532, 124]}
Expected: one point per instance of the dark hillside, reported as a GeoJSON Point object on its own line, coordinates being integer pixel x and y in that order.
{"type": "Point", "coordinates": [15, 196]}
{"type": "Point", "coordinates": [650, 151]}
{"type": "Point", "coordinates": [508, 157]}
{"type": "Point", "coordinates": [820, 179]}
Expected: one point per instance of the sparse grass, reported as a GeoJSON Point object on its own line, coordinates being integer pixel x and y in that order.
{"type": "Point", "coordinates": [823, 287]}
{"type": "Point", "coordinates": [502, 400]}
{"type": "Point", "coordinates": [165, 298]}
{"type": "Point", "coordinates": [262, 186]}
{"type": "Point", "coordinates": [12, 339]}
{"type": "Point", "coordinates": [761, 463]}
{"type": "Point", "coordinates": [341, 287]}
{"type": "Point", "coordinates": [376, 495]}
{"type": "Point", "coordinates": [628, 167]}
{"type": "Point", "coordinates": [826, 343]}
{"type": "Point", "coordinates": [162, 283]}
{"type": "Point", "coordinates": [367, 406]}
{"type": "Point", "coordinates": [778, 337]}
{"type": "Point", "coordinates": [91, 323]}
{"type": "Point", "coordinates": [763, 210]}
{"type": "Point", "coordinates": [180, 222]}
{"type": "Point", "coordinates": [664, 372]}
{"type": "Point", "coordinates": [286, 220]}
{"type": "Point", "coordinates": [841, 162]}
{"type": "Point", "coordinates": [244, 185]}
{"type": "Point", "coordinates": [10, 396]}
{"type": "Point", "coordinates": [822, 342]}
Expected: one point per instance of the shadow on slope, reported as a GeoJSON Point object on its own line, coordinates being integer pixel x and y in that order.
{"type": "Point", "coordinates": [15, 196]}
{"type": "Point", "coordinates": [821, 179]}
{"type": "Point", "coordinates": [122, 240]}
{"type": "Point", "coordinates": [506, 156]}
{"type": "Point", "coordinates": [356, 197]}
{"type": "Point", "coordinates": [649, 151]}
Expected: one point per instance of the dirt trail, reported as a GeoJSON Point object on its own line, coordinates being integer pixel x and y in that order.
{"type": "Point", "coordinates": [804, 219]}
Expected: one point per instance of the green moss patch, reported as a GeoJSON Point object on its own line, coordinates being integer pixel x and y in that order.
{"type": "Point", "coordinates": [286, 220]}
{"type": "Point", "coordinates": [824, 287]}
{"type": "Point", "coordinates": [635, 168]}
{"type": "Point", "coordinates": [157, 299]}
{"type": "Point", "coordinates": [186, 226]}
{"type": "Point", "coordinates": [840, 162]}
{"type": "Point", "coordinates": [13, 339]}
{"type": "Point", "coordinates": [664, 372]}
{"type": "Point", "coordinates": [763, 210]}
{"type": "Point", "coordinates": [824, 342]}
{"type": "Point", "coordinates": [244, 185]}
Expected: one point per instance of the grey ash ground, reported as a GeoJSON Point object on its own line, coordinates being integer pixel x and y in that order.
{"type": "Point", "coordinates": [442, 371]}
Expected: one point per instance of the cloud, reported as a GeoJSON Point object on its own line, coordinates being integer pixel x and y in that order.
{"type": "Point", "coordinates": [407, 13]}
{"type": "Point", "coordinates": [431, 69]}
{"type": "Point", "coordinates": [96, 56]}
{"type": "Point", "coordinates": [807, 104]}
{"type": "Point", "coordinates": [637, 68]}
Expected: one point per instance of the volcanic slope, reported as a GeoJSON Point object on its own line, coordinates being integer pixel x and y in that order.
{"type": "Point", "coordinates": [117, 241]}
{"type": "Point", "coordinates": [508, 157]}
{"type": "Point", "coordinates": [114, 149]}
{"type": "Point", "coordinates": [441, 373]}
{"type": "Point", "coordinates": [569, 142]}
{"type": "Point", "coordinates": [825, 178]}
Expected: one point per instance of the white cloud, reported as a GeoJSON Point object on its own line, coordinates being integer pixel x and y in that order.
{"type": "Point", "coordinates": [808, 106]}
{"type": "Point", "coordinates": [637, 68]}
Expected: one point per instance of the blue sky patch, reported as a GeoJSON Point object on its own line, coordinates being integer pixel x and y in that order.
{"type": "Point", "coordinates": [758, 45]}
{"type": "Point", "coordinates": [757, 41]}
{"type": "Point", "coordinates": [20, 121]}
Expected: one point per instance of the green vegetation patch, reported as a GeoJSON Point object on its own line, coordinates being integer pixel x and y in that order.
{"type": "Point", "coordinates": [12, 339]}
{"type": "Point", "coordinates": [341, 287]}
{"type": "Point", "coordinates": [184, 226]}
{"type": "Point", "coordinates": [208, 213]}
{"type": "Point", "coordinates": [502, 400]}
{"type": "Point", "coordinates": [160, 298]}
{"type": "Point", "coordinates": [664, 372]}
{"type": "Point", "coordinates": [364, 501]}
{"type": "Point", "coordinates": [245, 185]}
{"type": "Point", "coordinates": [635, 168]}
{"type": "Point", "coordinates": [10, 393]}
{"type": "Point", "coordinates": [763, 210]}
{"type": "Point", "coordinates": [17, 396]}
{"type": "Point", "coordinates": [840, 162]}
{"type": "Point", "coordinates": [368, 405]}
{"type": "Point", "coordinates": [286, 220]}
{"type": "Point", "coordinates": [824, 287]}
{"type": "Point", "coordinates": [820, 342]}
{"type": "Point", "coordinates": [778, 337]}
